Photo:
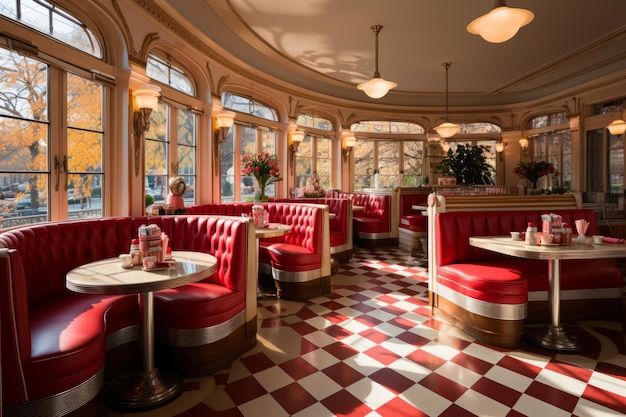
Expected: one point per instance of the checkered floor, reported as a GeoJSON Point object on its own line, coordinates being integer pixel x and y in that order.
{"type": "Point", "coordinates": [372, 348]}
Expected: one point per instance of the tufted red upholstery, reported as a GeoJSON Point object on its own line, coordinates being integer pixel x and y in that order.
{"type": "Point", "coordinates": [53, 339]}
{"type": "Point", "coordinates": [340, 226]}
{"type": "Point", "coordinates": [301, 256]}
{"type": "Point", "coordinates": [485, 282]}
{"type": "Point", "coordinates": [372, 226]}
{"type": "Point", "coordinates": [227, 209]}
{"type": "Point", "coordinates": [376, 215]}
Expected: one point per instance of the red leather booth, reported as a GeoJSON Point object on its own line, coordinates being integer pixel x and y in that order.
{"type": "Point", "coordinates": [491, 296]}
{"type": "Point", "coordinates": [58, 347]}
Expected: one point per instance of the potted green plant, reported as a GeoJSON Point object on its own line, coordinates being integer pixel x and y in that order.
{"type": "Point", "coordinates": [468, 165]}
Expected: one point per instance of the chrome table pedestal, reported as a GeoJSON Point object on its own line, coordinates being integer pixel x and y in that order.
{"type": "Point", "coordinates": [148, 388]}
{"type": "Point", "coordinates": [553, 336]}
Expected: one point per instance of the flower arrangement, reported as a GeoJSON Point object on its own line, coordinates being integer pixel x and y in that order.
{"type": "Point", "coordinates": [264, 168]}
{"type": "Point", "coordinates": [313, 188]}
{"type": "Point", "coordinates": [533, 171]}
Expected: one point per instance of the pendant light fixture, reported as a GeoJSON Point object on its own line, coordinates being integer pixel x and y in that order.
{"type": "Point", "coordinates": [501, 23]}
{"type": "Point", "coordinates": [447, 129]}
{"type": "Point", "coordinates": [376, 87]}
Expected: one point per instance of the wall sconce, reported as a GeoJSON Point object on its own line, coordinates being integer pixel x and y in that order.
{"type": "Point", "coordinates": [223, 121]}
{"type": "Point", "coordinates": [350, 141]}
{"type": "Point", "coordinates": [617, 127]}
{"type": "Point", "coordinates": [523, 142]}
{"type": "Point", "coordinates": [500, 148]}
{"type": "Point", "coordinates": [445, 146]}
{"type": "Point", "coordinates": [146, 100]}
{"type": "Point", "coordinates": [297, 136]}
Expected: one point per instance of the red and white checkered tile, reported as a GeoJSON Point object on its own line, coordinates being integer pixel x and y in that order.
{"type": "Point", "coordinates": [372, 348]}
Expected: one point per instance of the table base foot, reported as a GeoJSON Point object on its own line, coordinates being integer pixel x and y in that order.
{"type": "Point", "coordinates": [144, 391]}
{"type": "Point", "coordinates": [554, 338]}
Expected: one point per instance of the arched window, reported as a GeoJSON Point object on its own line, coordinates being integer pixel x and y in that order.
{"type": "Point", "coordinates": [164, 71]}
{"type": "Point", "coordinates": [46, 155]}
{"type": "Point", "coordinates": [392, 128]}
{"type": "Point", "coordinates": [50, 20]}
{"type": "Point", "coordinates": [392, 149]}
{"type": "Point", "coordinates": [248, 106]}
{"type": "Point", "coordinates": [315, 151]}
{"type": "Point", "coordinates": [171, 142]}
{"type": "Point", "coordinates": [553, 144]}
{"type": "Point", "coordinates": [479, 128]}
{"type": "Point", "coordinates": [246, 139]}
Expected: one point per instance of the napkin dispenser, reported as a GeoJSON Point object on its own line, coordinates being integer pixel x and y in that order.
{"type": "Point", "coordinates": [553, 224]}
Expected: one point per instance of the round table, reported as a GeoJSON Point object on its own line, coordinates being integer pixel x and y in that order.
{"type": "Point", "coordinates": [148, 387]}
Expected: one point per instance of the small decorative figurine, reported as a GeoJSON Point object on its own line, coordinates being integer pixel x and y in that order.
{"type": "Point", "coordinates": [177, 189]}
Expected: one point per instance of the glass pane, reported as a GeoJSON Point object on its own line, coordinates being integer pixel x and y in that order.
{"type": "Point", "coordinates": [23, 145]}
{"type": "Point", "coordinates": [363, 164]}
{"type": "Point", "coordinates": [23, 199]}
{"type": "Point", "coordinates": [190, 191]}
{"type": "Point", "coordinates": [181, 82]}
{"type": "Point", "coordinates": [24, 83]}
{"type": "Point", "coordinates": [413, 163]}
{"type": "Point", "coordinates": [156, 156]}
{"type": "Point", "coordinates": [304, 161]}
{"type": "Point", "coordinates": [187, 153]}
{"type": "Point", "coordinates": [323, 162]}
{"type": "Point", "coordinates": [84, 151]}
{"type": "Point", "coordinates": [490, 155]}
{"type": "Point", "coordinates": [84, 103]}
{"type": "Point", "coordinates": [594, 161]}
{"type": "Point", "coordinates": [616, 164]}
{"type": "Point", "coordinates": [269, 146]}
{"type": "Point", "coordinates": [186, 160]}
{"type": "Point", "coordinates": [84, 195]}
{"type": "Point", "coordinates": [227, 164]}
{"type": "Point", "coordinates": [24, 132]}
{"type": "Point", "coordinates": [186, 128]}
{"type": "Point", "coordinates": [158, 123]}
{"type": "Point", "coordinates": [388, 164]}
{"type": "Point", "coordinates": [247, 184]}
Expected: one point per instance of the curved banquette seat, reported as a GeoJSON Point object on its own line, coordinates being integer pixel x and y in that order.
{"type": "Point", "coordinates": [298, 262]}
{"type": "Point", "coordinates": [59, 347]}
{"type": "Point", "coordinates": [340, 225]}
{"type": "Point", "coordinates": [491, 296]}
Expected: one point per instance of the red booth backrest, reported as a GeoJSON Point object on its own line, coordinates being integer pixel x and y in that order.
{"type": "Point", "coordinates": [455, 228]}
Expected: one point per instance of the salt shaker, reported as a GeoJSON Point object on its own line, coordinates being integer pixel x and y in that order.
{"type": "Point", "coordinates": [531, 234]}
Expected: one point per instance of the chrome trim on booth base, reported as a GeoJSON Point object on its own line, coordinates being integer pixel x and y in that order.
{"type": "Point", "coordinates": [199, 337]}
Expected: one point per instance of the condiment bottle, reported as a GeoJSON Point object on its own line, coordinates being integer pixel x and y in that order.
{"type": "Point", "coordinates": [135, 252]}
{"type": "Point", "coordinates": [531, 234]}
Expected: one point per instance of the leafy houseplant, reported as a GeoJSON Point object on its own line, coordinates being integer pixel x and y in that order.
{"type": "Point", "coordinates": [264, 168]}
{"type": "Point", "coordinates": [468, 165]}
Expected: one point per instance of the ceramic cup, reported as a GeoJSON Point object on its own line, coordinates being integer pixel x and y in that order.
{"type": "Point", "coordinates": [127, 260]}
{"type": "Point", "coordinates": [515, 235]}
{"type": "Point", "coordinates": [546, 238]}
{"type": "Point", "coordinates": [597, 239]}
{"type": "Point", "coordinates": [149, 262]}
